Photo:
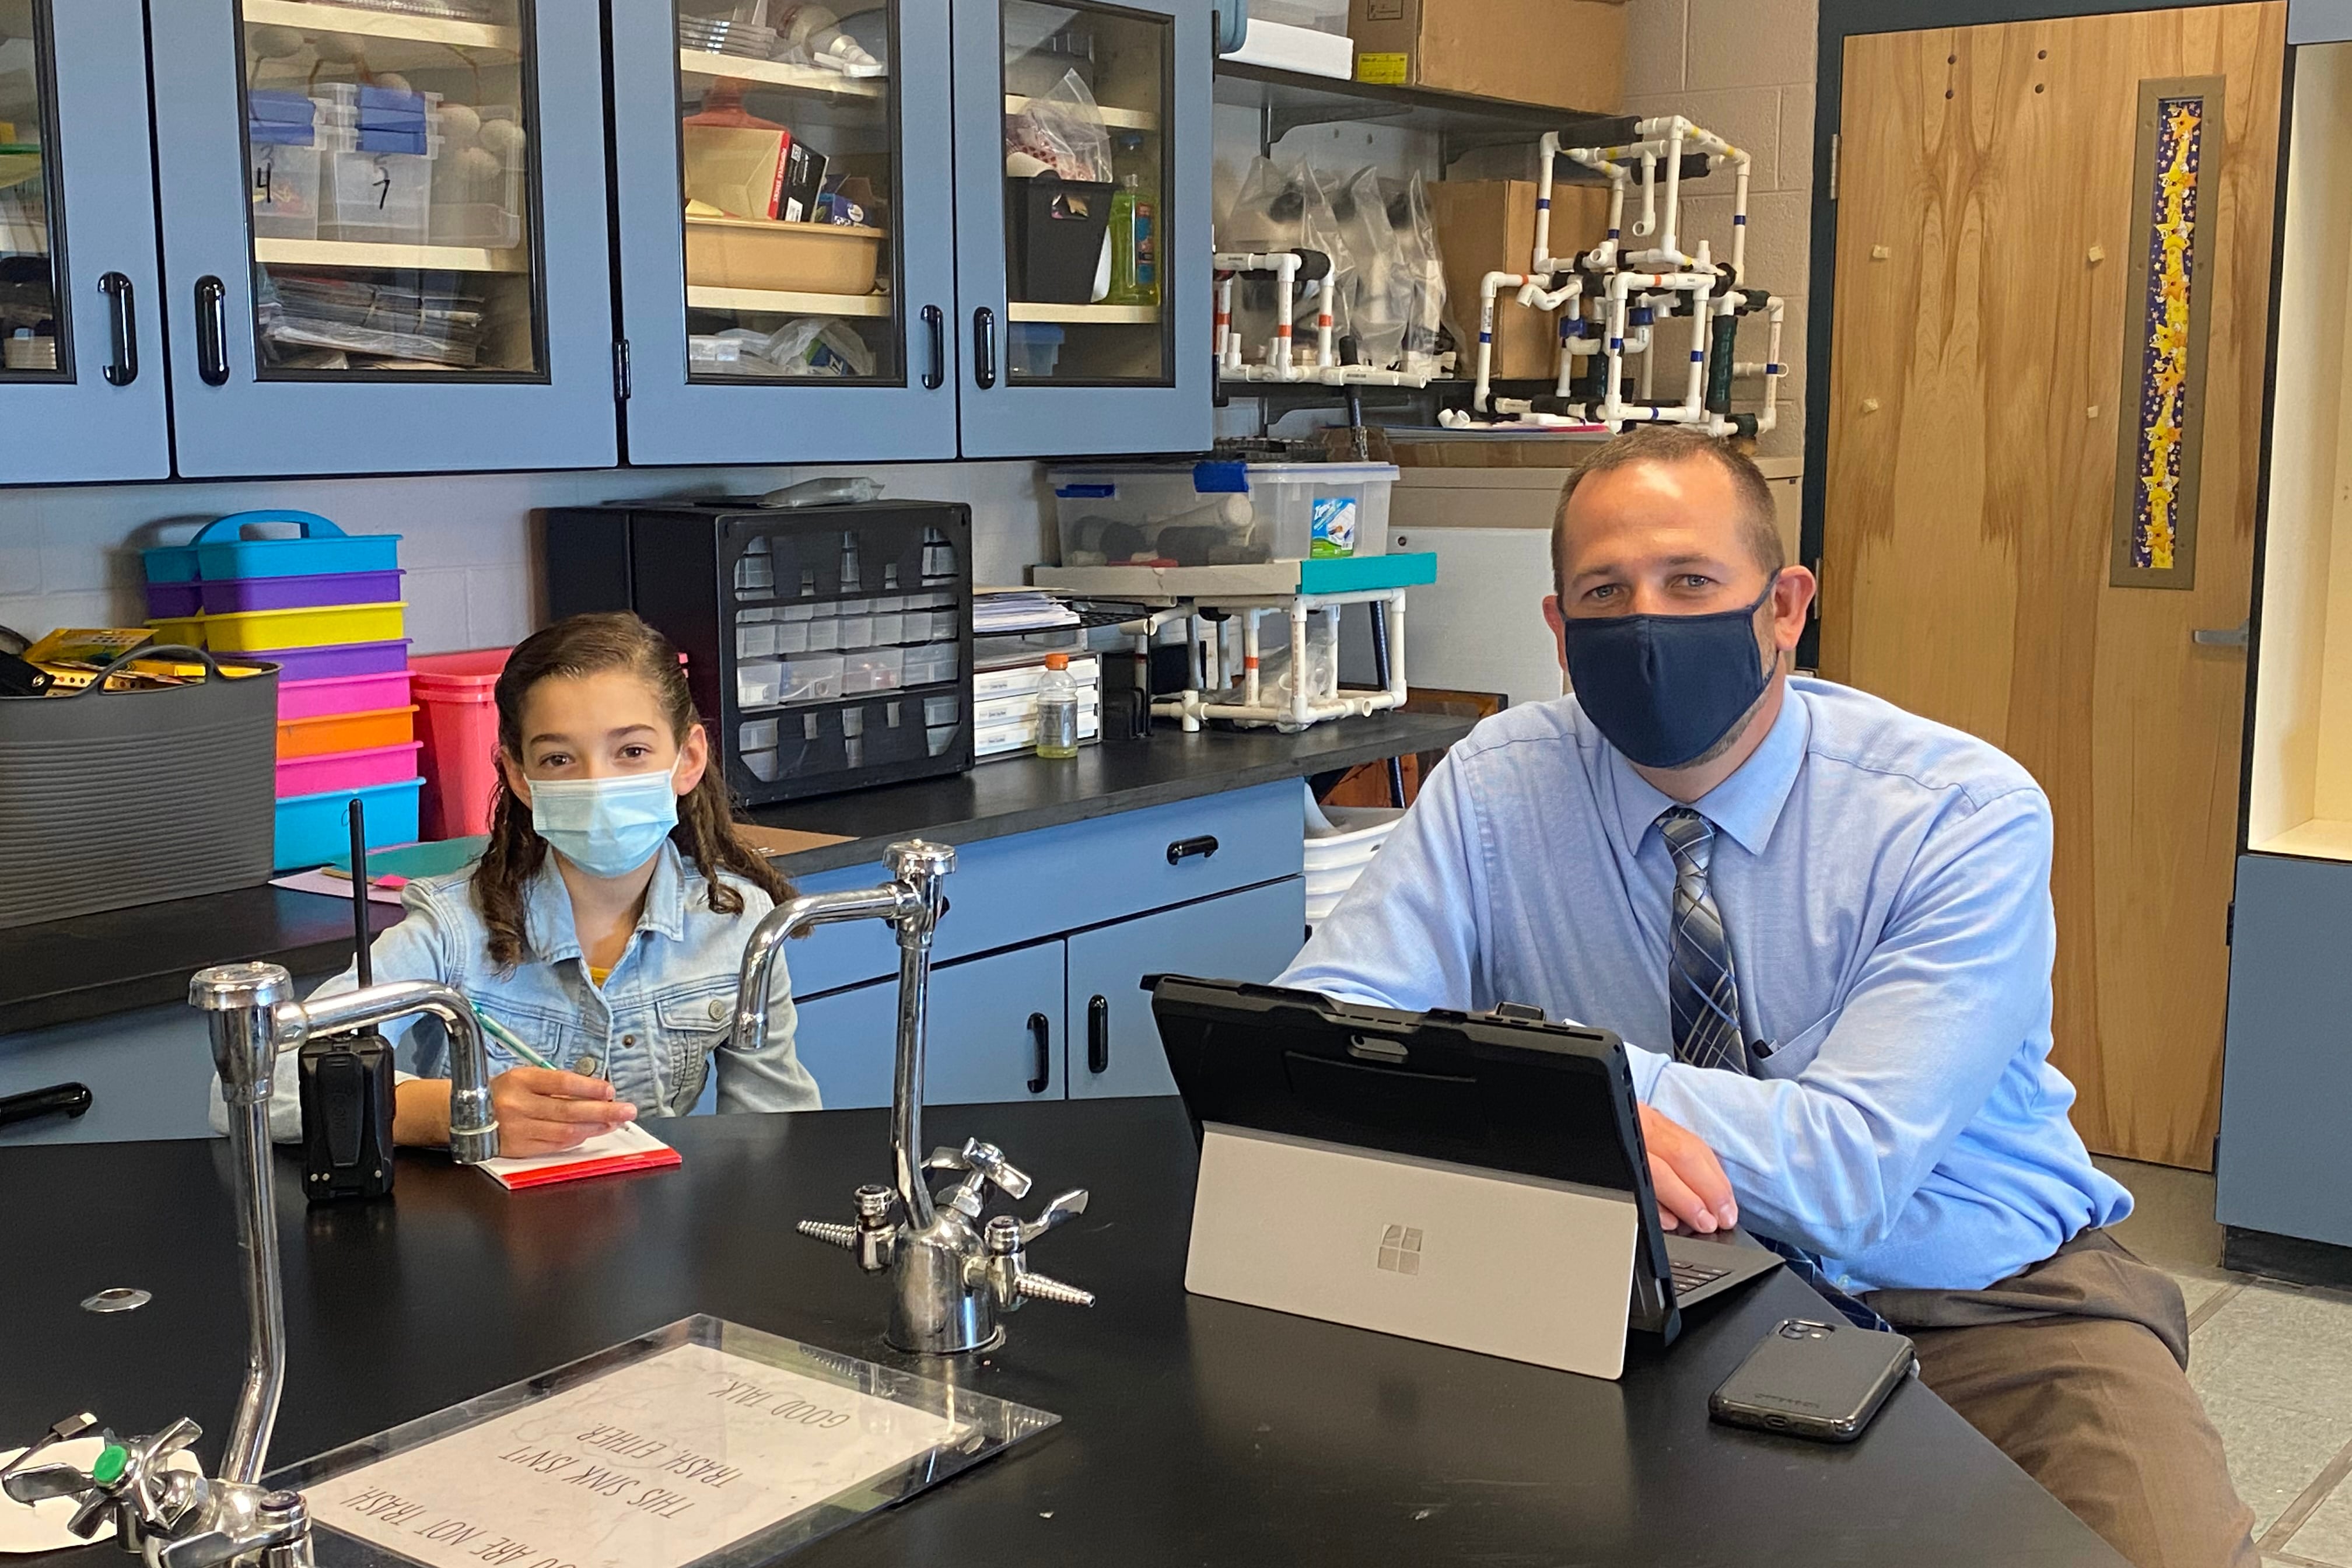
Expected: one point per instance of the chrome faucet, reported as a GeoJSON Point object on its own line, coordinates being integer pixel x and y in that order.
{"type": "Point", "coordinates": [183, 1519]}
{"type": "Point", "coordinates": [953, 1269]}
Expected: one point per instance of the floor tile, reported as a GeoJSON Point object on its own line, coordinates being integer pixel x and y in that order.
{"type": "Point", "coordinates": [2196, 1289]}
{"type": "Point", "coordinates": [2273, 1451]}
{"type": "Point", "coordinates": [2171, 1224]}
{"type": "Point", "coordinates": [2326, 1535]}
{"type": "Point", "coordinates": [2280, 1346]}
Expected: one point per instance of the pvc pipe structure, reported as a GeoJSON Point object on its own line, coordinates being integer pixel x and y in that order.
{"type": "Point", "coordinates": [1282, 364]}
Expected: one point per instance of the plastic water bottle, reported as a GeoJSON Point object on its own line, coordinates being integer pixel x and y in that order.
{"type": "Point", "coordinates": [1057, 709]}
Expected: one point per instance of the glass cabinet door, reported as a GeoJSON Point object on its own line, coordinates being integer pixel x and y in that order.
{"type": "Point", "coordinates": [409, 279]}
{"type": "Point", "coordinates": [786, 273]}
{"type": "Point", "coordinates": [77, 247]}
{"type": "Point", "coordinates": [1081, 168]}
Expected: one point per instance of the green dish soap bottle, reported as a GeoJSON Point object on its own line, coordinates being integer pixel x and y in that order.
{"type": "Point", "coordinates": [1135, 228]}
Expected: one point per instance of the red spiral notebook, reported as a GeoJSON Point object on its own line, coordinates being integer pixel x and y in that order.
{"type": "Point", "coordinates": [628, 1147]}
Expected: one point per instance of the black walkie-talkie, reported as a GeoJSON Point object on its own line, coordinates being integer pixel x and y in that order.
{"type": "Point", "coordinates": [347, 1083]}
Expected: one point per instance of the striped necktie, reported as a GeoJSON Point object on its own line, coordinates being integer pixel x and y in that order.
{"type": "Point", "coordinates": [1703, 994]}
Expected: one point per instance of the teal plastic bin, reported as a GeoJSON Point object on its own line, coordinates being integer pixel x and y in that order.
{"type": "Point", "coordinates": [312, 829]}
{"type": "Point", "coordinates": [219, 551]}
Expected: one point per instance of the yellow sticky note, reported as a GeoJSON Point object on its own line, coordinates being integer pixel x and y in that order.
{"type": "Point", "coordinates": [1381, 70]}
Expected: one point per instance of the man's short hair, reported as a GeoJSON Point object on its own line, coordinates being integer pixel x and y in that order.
{"type": "Point", "coordinates": [1667, 445]}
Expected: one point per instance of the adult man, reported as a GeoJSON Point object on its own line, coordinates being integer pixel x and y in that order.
{"type": "Point", "coordinates": [1825, 926]}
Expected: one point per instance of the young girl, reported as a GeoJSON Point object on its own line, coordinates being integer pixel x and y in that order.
{"type": "Point", "coordinates": [604, 922]}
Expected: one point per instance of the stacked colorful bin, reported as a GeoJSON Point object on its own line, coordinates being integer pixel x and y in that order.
{"type": "Point", "coordinates": [325, 607]}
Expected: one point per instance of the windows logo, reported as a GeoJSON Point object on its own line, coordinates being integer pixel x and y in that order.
{"type": "Point", "coordinates": [1401, 1249]}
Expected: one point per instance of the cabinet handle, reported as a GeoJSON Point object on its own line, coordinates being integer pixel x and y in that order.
{"type": "Point", "coordinates": [983, 347]}
{"type": "Point", "coordinates": [2222, 636]}
{"type": "Point", "coordinates": [1099, 1035]}
{"type": "Point", "coordinates": [124, 368]}
{"type": "Point", "coordinates": [1184, 848]}
{"type": "Point", "coordinates": [1041, 1035]}
{"type": "Point", "coordinates": [212, 331]}
{"type": "Point", "coordinates": [936, 320]}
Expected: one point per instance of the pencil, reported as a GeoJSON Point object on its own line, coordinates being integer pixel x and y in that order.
{"type": "Point", "coordinates": [510, 1039]}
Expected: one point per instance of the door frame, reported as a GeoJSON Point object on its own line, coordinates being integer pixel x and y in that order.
{"type": "Point", "coordinates": [1844, 19]}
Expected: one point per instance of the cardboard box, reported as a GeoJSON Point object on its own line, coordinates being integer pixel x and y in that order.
{"type": "Point", "coordinates": [740, 170]}
{"type": "Point", "coordinates": [1489, 225]}
{"type": "Point", "coordinates": [1569, 54]}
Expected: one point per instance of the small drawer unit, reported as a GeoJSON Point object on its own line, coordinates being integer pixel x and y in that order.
{"type": "Point", "coordinates": [828, 647]}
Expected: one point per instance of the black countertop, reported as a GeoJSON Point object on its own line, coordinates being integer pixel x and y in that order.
{"type": "Point", "coordinates": [93, 966]}
{"type": "Point", "coordinates": [1192, 1431]}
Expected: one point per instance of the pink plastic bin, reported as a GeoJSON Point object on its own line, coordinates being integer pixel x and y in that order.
{"type": "Point", "coordinates": [341, 694]}
{"type": "Point", "coordinates": [346, 770]}
{"type": "Point", "coordinates": [458, 724]}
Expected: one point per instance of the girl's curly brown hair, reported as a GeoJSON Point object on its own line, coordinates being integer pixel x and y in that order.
{"type": "Point", "coordinates": [588, 645]}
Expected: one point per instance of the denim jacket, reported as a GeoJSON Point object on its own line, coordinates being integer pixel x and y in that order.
{"type": "Point", "coordinates": [653, 1028]}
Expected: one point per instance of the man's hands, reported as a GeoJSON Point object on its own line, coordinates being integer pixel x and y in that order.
{"type": "Point", "coordinates": [1693, 1192]}
{"type": "Point", "coordinates": [541, 1110]}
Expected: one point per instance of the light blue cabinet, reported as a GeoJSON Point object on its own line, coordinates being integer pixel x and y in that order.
{"type": "Point", "coordinates": [82, 395]}
{"type": "Point", "coordinates": [1049, 368]}
{"type": "Point", "coordinates": [995, 1033]}
{"type": "Point", "coordinates": [1114, 1043]}
{"type": "Point", "coordinates": [345, 306]}
{"type": "Point", "coordinates": [694, 288]}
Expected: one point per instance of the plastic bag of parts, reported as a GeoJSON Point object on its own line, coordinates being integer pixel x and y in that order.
{"type": "Point", "coordinates": [1062, 132]}
{"type": "Point", "coordinates": [1283, 209]}
{"type": "Point", "coordinates": [839, 490]}
{"type": "Point", "coordinates": [814, 35]}
{"type": "Point", "coordinates": [1278, 667]}
{"type": "Point", "coordinates": [1416, 234]}
{"type": "Point", "coordinates": [1377, 297]}
{"type": "Point", "coordinates": [804, 346]}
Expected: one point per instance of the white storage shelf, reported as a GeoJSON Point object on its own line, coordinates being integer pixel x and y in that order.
{"type": "Point", "coordinates": [2299, 776]}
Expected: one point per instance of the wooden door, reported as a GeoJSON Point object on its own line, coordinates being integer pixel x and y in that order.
{"type": "Point", "coordinates": [1984, 264]}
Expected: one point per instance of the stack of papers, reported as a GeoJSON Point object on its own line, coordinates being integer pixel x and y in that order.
{"type": "Point", "coordinates": [1000, 610]}
{"type": "Point", "coordinates": [627, 1147]}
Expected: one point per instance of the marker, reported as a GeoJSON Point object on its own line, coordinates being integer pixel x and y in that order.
{"type": "Point", "coordinates": [510, 1039]}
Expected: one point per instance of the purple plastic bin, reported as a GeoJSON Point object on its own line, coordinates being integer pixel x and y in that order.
{"type": "Point", "coordinates": [174, 601]}
{"type": "Point", "coordinates": [232, 596]}
{"type": "Point", "coordinates": [335, 659]}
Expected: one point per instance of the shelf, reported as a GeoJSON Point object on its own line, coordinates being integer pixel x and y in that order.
{"type": "Point", "coordinates": [1075, 315]}
{"type": "Point", "coordinates": [1115, 119]}
{"type": "Point", "coordinates": [786, 301]}
{"type": "Point", "coordinates": [311, 15]}
{"type": "Point", "coordinates": [2321, 838]}
{"type": "Point", "coordinates": [364, 253]}
{"type": "Point", "coordinates": [1289, 100]}
{"type": "Point", "coordinates": [776, 73]}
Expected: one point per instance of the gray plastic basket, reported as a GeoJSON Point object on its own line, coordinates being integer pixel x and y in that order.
{"type": "Point", "coordinates": [114, 799]}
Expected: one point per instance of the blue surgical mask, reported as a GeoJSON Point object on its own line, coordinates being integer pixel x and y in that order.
{"type": "Point", "coordinates": [1665, 689]}
{"type": "Point", "coordinates": [607, 827]}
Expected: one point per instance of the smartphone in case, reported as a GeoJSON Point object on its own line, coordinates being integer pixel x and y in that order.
{"type": "Point", "coordinates": [1819, 1380]}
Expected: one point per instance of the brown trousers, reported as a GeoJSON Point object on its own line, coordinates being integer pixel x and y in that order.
{"type": "Point", "coordinates": [2075, 1368]}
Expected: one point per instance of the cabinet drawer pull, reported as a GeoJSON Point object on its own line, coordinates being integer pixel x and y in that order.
{"type": "Point", "coordinates": [1184, 848]}
{"type": "Point", "coordinates": [123, 369]}
{"type": "Point", "coordinates": [1041, 1035]}
{"type": "Point", "coordinates": [936, 320]}
{"type": "Point", "coordinates": [983, 347]}
{"type": "Point", "coordinates": [212, 330]}
{"type": "Point", "coordinates": [1099, 1035]}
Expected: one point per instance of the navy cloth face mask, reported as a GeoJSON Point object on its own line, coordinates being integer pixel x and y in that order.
{"type": "Point", "coordinates": [1665, 689]}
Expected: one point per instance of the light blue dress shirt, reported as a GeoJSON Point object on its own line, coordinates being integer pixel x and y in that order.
{"type": "Point", "coordinates": [1884, 883]}
{"type": "Point", "coordinates": [663, 1018]}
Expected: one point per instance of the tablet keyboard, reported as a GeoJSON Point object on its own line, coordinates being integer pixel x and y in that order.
{"type": "Point", "coordinates": [1689, 1275]}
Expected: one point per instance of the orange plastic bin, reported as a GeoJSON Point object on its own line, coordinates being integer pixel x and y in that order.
{"type": "Point", "coordinates": [458, 720]}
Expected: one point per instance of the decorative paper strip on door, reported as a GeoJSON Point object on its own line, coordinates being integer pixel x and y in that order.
{"type": "Point", "coordinates": [2163, 404]}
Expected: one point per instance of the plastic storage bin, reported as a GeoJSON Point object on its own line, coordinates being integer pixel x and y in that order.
{"type": "Point", "coordinates": [364, 731]}
{"type": "Point", "coordinates": [341, 694]}
{"type": "Point", "coordinates": [385, 198]}
{"type": "Point", "coordinates": [346, 771]}
{"type": "Point", "coordinates": [284, 184]}
{"type": "Point", "coordinates": [312, 829]}
{"type": "Point", "coordinates": [1216, 513]}
{"type": "Point", "coordinates": [320, 626]}
{"type": "Point", "coordinates": [219, 550]}
{"type": "Point", "coordinates": [478, 181]}
{"type": "Point", "coordinates": [1055, 227]}
{"type": "Point", "coordinates": [335, 662]}
{"type": "Point", "coordinates": [231, 596]}
{"type": "Point", "coordinates": [457, 724]}
{"type": "Point", "coordinates": [1031, 348]}
{"type": "Point", "coordinates": [115, 798]}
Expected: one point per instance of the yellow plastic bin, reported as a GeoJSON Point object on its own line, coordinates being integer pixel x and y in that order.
{"type": "Point", "coordinates": [317, 626]}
